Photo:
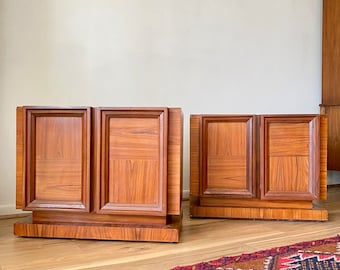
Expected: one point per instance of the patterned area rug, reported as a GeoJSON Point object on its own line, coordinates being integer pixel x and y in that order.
{"type": "Point", "coordinates": [317, 255]}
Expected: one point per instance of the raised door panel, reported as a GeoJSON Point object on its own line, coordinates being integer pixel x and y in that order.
{"type": "Point", "coordinates": [290, 155]}
{"type": "Point", "coordinates": [56, 149]}
{"type": "Point", "coordinates": [227, 156]}
{"type": "Point", "coordinates": [132, 163]}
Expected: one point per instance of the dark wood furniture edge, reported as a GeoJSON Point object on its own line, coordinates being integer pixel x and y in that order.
{"type": "Point", "coordinates": [263, 213]}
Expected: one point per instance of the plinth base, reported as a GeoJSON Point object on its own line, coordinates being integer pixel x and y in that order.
{"type": "Point", "coordinates": [166, 233]}
{"type": "Point", "coordinates": [317, 214]}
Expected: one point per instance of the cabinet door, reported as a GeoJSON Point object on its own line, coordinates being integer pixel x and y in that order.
{"type": "Point", "coordinates": [227, 156]}
{"type": "Point", "coordinates": [131, 161]}
{"type": "Point", "coordinates": [290, 157]}
{"type": "Point", "coordinates": [56, 158]}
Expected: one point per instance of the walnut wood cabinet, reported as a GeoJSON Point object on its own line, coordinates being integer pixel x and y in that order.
{"type": "Point", "coordinates": [100, 173]}
{"type": "Point", "coordinates": [258, 166]}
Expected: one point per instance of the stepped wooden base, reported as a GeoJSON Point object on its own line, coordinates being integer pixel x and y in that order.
{"type": "Point", "coordinates": [166, 233]}
{"type": "Point", "coordinates": [315, 214]}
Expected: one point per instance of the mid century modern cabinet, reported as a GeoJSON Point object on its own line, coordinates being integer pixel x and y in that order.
{"type": "Point", "coordinates": [258, 166]}
{"type": "Point", "coordinates": [100, 173]}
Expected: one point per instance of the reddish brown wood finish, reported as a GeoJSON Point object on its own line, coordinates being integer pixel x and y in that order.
{"type": "Point", "coordinates": [57, 155]}
{"type": "Point", "coordinates": [313, 214]}
{"type": "Point", "coordinates": [195, 176]}
{"type": "Point", "coordinates": [254, 202]}
{"type": "Point", "coordinates": [288, 159]}
{"type": "Point", "coordinates": [119, 171]}
{"type": "Point", "coordinates": [92, 218]}
{"type": "Point", "coordinates": [331, 78]}
{"type": "Point", "coordinates": [133, 161]}
{"type": "Point", "coordinates": [175, 161]}
{"type": "Point", "coordinates": [333, 146]}
{"type": "Point", "coordinates": [169, 233]}
{"type": "Point", "coordinates": [331, 53]}
{"type": "Point", "coordinates": [323, 156]}
{"type": "Point", "coordinates": [20, 198]}
{"type": "Point", "coordinates": [227, 156]}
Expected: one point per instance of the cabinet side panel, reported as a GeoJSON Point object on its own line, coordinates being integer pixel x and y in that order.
{"type": "Point", "coordinates": [333, 143]}
{"type": "Point", "coordinates": [19, 158]}
{"type": "Point", "coordinates": [96, 159]}
{"type": "Point", "coordinates": [175, 161]}
{"type": "Point", "coordinates": [194, 154]}
{"type": "Point", "coordinates": [323, 157]}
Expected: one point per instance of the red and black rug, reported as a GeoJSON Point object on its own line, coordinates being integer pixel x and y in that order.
{"type": "Point", "coordinates": [317, 255]}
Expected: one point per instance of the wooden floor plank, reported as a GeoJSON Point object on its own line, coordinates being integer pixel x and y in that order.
{"type": "Point", "coordinates": [201, 239]}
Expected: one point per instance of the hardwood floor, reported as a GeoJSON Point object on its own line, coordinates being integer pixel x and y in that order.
{"type": "Point", "coordinates": [201, 240]}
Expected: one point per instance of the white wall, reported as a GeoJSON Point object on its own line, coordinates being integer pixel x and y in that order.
{"type": "Point", "coordinates": [206, 56]}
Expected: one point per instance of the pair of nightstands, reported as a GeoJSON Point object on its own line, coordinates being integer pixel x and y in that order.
{"type": "Point", "coordinates": [116, 173]}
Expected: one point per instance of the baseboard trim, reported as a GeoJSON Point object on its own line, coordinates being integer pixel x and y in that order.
{"type": "Point", "coordinates": [8, 210]}
{"type": "Point", "coordinates": [186, 194]}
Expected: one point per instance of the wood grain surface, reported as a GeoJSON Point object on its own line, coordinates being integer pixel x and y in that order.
{"type": "Point", "coordinates": [201, 239]}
